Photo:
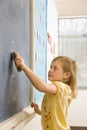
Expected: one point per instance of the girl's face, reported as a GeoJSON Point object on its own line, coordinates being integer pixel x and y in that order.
{"type": "Point", "coordinates": [56, 72]}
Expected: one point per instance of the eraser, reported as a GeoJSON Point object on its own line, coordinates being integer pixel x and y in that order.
{"type": "Point", "coordinates": [13, 56]}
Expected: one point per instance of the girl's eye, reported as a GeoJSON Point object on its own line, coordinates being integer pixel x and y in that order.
{"type": "Point", "coordinates": [55, 68]}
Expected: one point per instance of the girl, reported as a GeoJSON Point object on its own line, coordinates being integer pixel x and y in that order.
{"type": "Point", "coordinates": [58, 94]}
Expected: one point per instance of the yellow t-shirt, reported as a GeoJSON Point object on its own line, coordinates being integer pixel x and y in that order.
{"type": "Point", "coordinates": [54, 108]}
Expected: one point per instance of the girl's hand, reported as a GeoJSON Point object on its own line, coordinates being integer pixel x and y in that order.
{"type": "Point", "coordinates": [19, 62]}
{"type": "Point", "coordinates": [36, 108]}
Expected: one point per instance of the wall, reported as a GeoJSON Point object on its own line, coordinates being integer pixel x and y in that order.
{"type": "Point", "coordinates": [78, 110]}
{"type": "Point", "coordinates": [52, 30]}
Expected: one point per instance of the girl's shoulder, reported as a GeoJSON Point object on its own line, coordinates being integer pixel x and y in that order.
{"type": "Point", "coordinates": [62, 87]}
{"type": "Point", "coordinates": [60, 84]}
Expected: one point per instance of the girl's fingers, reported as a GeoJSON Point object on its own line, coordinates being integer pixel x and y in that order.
{"type": "Point", "coordinates": [34, 105]}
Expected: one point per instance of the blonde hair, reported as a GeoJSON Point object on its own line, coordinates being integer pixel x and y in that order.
{"type": "Point", "coordinates": [69, 65]}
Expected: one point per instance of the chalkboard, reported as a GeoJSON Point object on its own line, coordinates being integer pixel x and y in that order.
{"type": "Point", "coordinates": [14, 36]}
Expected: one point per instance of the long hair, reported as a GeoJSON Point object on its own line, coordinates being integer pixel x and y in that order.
{"type": "Point", "coordinates": [69, 65]}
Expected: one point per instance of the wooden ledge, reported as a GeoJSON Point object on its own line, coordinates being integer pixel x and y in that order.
{"type": "Point", "coordinates": [18, 121]}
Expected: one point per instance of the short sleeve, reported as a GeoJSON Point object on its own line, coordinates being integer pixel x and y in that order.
{"type": "Point", "coordinates": [63, 89]}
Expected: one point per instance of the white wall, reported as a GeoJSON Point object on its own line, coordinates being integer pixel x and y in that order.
{"type": "Point", "coordinates": [77, 115]}
{"type": "Point", "coordinates": [52, 29]}
{"type": "Point", "coordinates": [52, 20]}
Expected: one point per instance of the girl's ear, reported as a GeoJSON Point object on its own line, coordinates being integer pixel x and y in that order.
{"type": "Point", "coordinates": [67, 75]}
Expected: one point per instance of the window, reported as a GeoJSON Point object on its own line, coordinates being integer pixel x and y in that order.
{"type": "Point", "coordinates": [73, 43]}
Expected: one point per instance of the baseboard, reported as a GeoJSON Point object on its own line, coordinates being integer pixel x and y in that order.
{"type": "Point", "coordinates": [78, 128]}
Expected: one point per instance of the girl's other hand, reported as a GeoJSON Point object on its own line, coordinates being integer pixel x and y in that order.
{"type": "Point", "coordinates": [36, 108]}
